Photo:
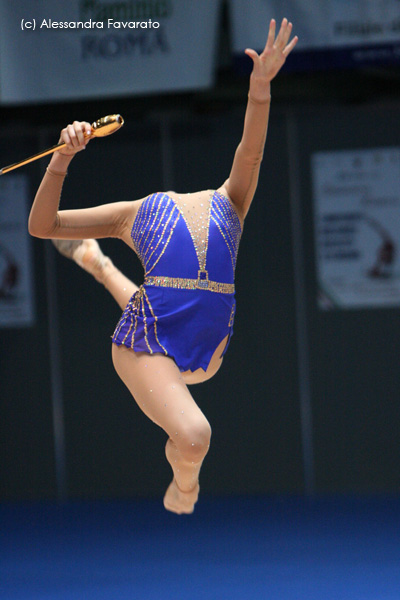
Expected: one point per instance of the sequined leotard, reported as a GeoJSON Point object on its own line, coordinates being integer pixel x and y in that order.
{"type": "Point", "coordinates": [186, 305]}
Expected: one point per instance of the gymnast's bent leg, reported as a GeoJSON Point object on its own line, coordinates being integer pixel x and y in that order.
{"type": "Point", "coordinates": [88, 255]}
{"type": "Point", "coordinates": [157, 386]}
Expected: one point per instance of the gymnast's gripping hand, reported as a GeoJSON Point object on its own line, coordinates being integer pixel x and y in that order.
{"type": "Point", "coordinates": [268, 64]}
{"type": "Point", "coordinates": [76, 137]}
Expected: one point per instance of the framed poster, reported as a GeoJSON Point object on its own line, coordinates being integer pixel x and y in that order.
{"type": "Point", "coordinates": [16, 286]}
{"type": "Point", "coordinates": [332, 33]}
{"type": "Point", "coordinates": [51, 50]}
{"type": "Point", "coordinates": [356, 198]}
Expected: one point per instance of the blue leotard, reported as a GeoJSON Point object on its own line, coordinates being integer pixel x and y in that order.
{"type": "Point", "coordinates": [186, 305]}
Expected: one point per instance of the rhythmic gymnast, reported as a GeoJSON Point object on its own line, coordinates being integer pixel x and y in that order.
{"type": "Point", "coordinates": [175, 327]}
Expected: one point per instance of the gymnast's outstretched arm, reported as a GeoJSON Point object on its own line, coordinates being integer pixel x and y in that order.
{"type": "Point", "coordinates": [243, 179]}
{"type": "Point", "coordinates": [47, 221]}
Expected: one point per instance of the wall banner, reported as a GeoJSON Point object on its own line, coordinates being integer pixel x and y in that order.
{"type": "Point", "coordinates": [357, 227]}
{"type": "Point", "coordinates": [80, 49]}
{"type": "Point", "coordinates": [16, 286]}
{"type": "Point", "coordinates": [331, 33]}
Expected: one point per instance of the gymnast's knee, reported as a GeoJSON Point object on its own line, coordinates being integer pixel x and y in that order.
{"type": "Point", "coordinates": [194, 440]}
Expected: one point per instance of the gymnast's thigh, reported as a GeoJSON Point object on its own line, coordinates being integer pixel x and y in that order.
{"type": "Point", "coordinates": [157, 385]}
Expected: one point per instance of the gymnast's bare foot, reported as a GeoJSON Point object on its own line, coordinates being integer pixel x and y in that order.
{"type": "Point", "coordinates": [180, 502]}
{"type": "Point", "coordinates": [88, 255]}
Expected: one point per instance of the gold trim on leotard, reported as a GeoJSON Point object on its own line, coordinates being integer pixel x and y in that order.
{"type": "Point", "coordinates": [155, 321]}
{"type": "Point", "coordinates": [201, 283]}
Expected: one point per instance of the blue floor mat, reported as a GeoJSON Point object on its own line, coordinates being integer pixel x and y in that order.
{"type": "Point", "coordinates": [231, 548]}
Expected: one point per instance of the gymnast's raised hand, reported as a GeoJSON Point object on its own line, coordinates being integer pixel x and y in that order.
{"type": "Point", "coordinates": [268, 64]}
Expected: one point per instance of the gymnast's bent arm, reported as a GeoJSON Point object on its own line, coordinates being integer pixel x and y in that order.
{"type": "Point", "coordinates": [243, 179]}
{"type": "Point", "coordinates": [46, 221]}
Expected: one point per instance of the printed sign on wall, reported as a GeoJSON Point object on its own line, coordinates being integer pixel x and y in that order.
{"type": "Point", "coordinates": [81, 49]}
{"type": "Point", "coordinates": [357, 227]}
{"type": "Point", "coordinates": [331, 32]}
{"type": "Point", "coordinates": [16, 288]}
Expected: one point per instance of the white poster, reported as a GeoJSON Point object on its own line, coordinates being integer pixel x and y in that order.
{"type": "Point", "coordinates": [51, 50]}
{"type": "Point", "coordinates": [365, 25]}
{"type": "Point", "coordinates": [357, 227]}
{"type": "Point", "coordinates": [16, 289]}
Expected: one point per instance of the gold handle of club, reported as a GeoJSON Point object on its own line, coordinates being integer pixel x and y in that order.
{"type": "Point", "coordinates": [100, 128]}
